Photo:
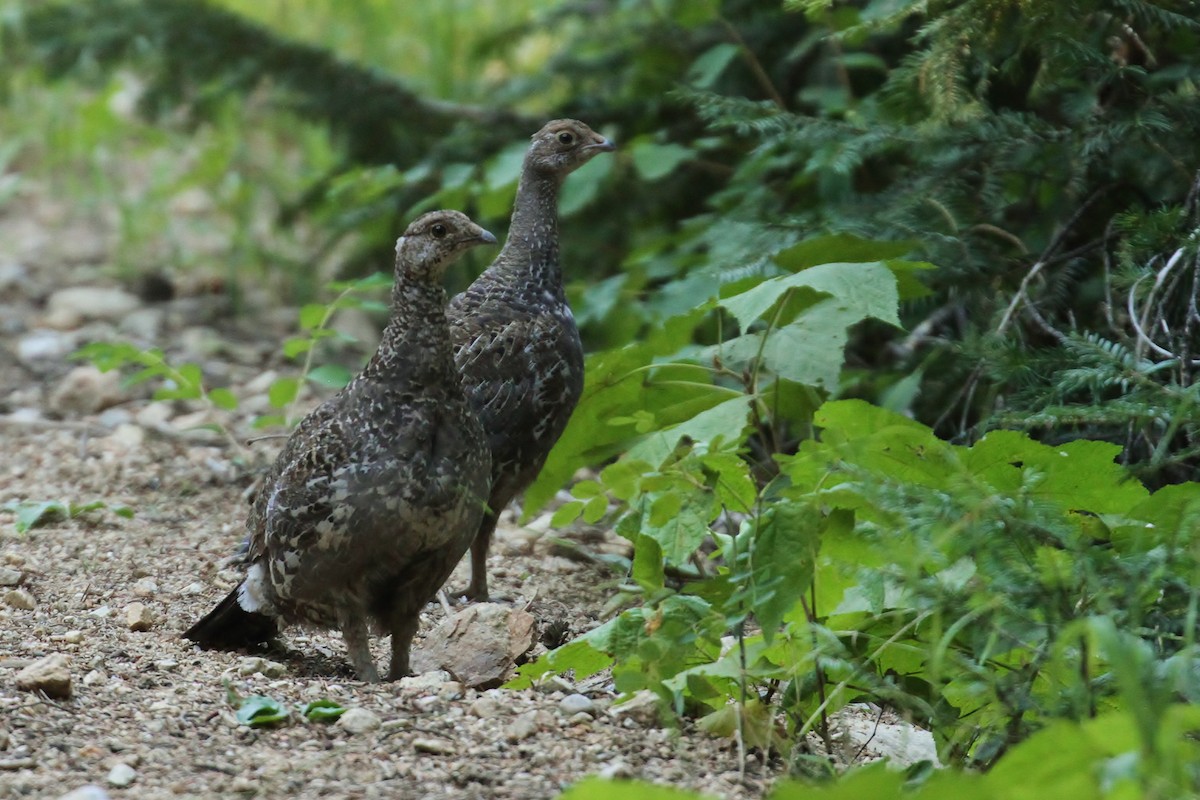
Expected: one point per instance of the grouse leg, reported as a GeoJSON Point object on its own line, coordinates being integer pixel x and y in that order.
{"type": "Point", "coordinates": [478, 588]}
{"type": "Point", "coordinates": [358, 645]}
{"type": "Point", "coordinates": [404, 627]}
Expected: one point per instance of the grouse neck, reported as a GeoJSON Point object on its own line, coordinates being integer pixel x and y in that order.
{"type": "Point", "coordinates": [532, 246]}
{"type": "Point", "coordinates": [415, 348]}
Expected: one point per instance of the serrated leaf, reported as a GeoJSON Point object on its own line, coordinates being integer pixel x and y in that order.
{"type": "Point", "coordinates": [259, 711]}
{"type": "Point", "coordinates": [333, 375]}
{"type": "Point", "coordinates": [223, 398]}
{"type": "Point", "coordinates": [727, 420]}
{"type": "Point", "coordinates": [283, 391]}
{"type": "Point", "coordinates": [322, 711]}
{"type": "Point", "coordinates": [860, 289]}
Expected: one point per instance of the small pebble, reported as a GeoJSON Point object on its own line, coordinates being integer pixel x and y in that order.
{"type": "Point", "coordinates": [73, 637]}
{"type": "Point", "coordinates": [437, 747]}
{"type": "Point", "coordinates": [20, 599]}
{"type": "Point", "coordinates": [122, 775]}
{"type": "Point", "coordinates": [576, 703]}
{"type": "Point", "coordinates": [358, 720]}
{"type": "Point", "coordinates": [521, 728]}
{"type": "Point", "coordinates": [264, 666]}
{"type": "Point", "coordinates": [103, 612]}
{"type": "Point", "coordinates": [138, 617]}
{"type": "Point", "coordinates": [145, 587]}
{"type": "Point", "coordinates": [485, 708]}
{"type": "Point", "coordinates": [10, 576]}
{"type": "Point", "coordinates": [89, 791]}
{"type": "Point", "coordinates": [582, 718]}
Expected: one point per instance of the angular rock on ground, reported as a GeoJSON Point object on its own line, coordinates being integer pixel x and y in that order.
{"type": "Point", "coordinates": [479, 645]}
{"type": "Point", "coordinates": [51, 675]}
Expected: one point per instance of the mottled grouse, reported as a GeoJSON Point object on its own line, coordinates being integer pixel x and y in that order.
{"type": "Point", "coordinates": [380, 490]}
{"type": "Point", "coordinates": [515, 340]}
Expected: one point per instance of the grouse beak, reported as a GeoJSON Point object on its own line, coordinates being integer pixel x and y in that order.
{"type": "Point", "coordinates": [486, 237]}
{"type": "Point", "coordinates": [604, 145]}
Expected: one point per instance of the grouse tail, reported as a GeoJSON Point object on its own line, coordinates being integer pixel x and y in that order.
{"type": "Point", "coordinates": [231, 627]}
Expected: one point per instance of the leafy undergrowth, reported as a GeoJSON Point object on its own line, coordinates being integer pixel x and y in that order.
{"type": "Point", "coordinates": [1033, 605]}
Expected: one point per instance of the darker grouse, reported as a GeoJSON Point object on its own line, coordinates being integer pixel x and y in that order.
{"type": "Point", "coordinates": [515, 340]}
{"type": "Point", "coordinates": [380, 490]}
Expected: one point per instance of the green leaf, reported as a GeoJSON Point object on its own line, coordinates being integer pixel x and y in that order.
{"type": "Point", "coordinates": [707, 68]}
{"type": "Point", "coordinates": [841, 247]}
{"type": "Point", "coordinates": [333, 375]}
{"type": "Point", "coordinates": [860, 290]}
{"type": "Point", "coordinates": [566, 513]}
{"type": "Point", "coordinates": [283, 392]}
{"type": "Point", "coordinates": [32, 514]}
{"type": "Point", "coordinates": [312, 316]}
{"type": "Point", "coordinates": [259, 711]}
{"type": "Point", "coordinates": [295, 347]}
{"type": "Point", "coordinates": [595, 788]}
{"type": "Point", "coordinates": [727, 421]}
{"type": "Point", "coordinates": [647, 571]}
{"type": "Point", "coordinates": [783, 552]}
{"type": "Point", "coordinates": [223, 398]}
{"type": "Point", "coordinates": [583, 186]}
{"type": "Point", "coordinates": [322, 711]}
{"type": "Point", "coordinates": [653, 161]}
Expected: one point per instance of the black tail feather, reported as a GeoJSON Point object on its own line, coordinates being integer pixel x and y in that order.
{"type": "Point", "coordinates": [231, 627]}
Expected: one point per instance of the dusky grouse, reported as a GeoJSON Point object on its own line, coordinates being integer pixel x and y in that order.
{"type": "Point", "coordinates": [515, 340]}
{"type": "Point", "coordinates": [379, 491]}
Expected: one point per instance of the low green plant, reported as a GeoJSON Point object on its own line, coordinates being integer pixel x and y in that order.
{"type": "Point", "coordinates": [31, 514]}
{"type": "Point", "coordinates": [185, 381]}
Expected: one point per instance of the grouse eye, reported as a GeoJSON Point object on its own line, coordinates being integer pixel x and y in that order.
{"type": "Point", "coordinates": [438, 231]}
{"type": "Point", "coordinates": [565, 138]}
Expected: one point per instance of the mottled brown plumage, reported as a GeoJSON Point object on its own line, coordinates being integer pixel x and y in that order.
{"type": "Point", "coordinates": [515, 340]}
{"type": "Point", "coordinates": [380, 490]}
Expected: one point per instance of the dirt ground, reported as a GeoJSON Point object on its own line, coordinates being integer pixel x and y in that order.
{"type": "Point", "coordinates": [147, 714]}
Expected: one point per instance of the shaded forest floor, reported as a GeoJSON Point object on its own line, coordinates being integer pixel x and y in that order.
{"type": "Point", "coordinates": [152, 702]}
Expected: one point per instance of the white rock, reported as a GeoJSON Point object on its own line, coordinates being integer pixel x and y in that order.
{"type": "Point", "coordinates": [576, 703]}
{"type": "Point", "coordinates": [112, 417]}
{"type": "Point", "coordinates": [154, 415]}
{"type": "Point", "coordinates": [359, 720]}
{"type": "Point", "coordinates": [73, 637]}
{"type": "Point", "coordinates": [145, 587]}
{"type": "Point", "coordinates": [88, 791]}
{"type": "Point", "coordinates": [10, 576]}
{"type": "Point", "coordinates": [437, 747]}
{"type": "Point", "coordinates": [485, 708]}
{"type": "Point", "coordinates": [88, 302]}
{"type": "Point", "coordinates": [145, 324]}
{"type": "Point", "coordinates": [103, 612]}
{"type": "Point", "coordinates": [426, 681]}
{"type": "Point", "coordinates": [122, 775]}
{"type": "Point", "coordinates": [42, 344]}
{"type": "Point", "coordinates": [86, 390]}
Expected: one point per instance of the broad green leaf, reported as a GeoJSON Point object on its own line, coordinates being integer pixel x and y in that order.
{"type": "Point", "coordinates": [583, 186]}
{"type": "Point", "coordinates": [261, 711]}
{"type": "Point", "coordinates": [504, 168]}
{"type": "Point", "coordinates": [332, 375]}
{"type": "Point", "coordinates": [647, 569]}
{"type": "Point", "coordinates": [860, 290]}
{"type": "Point", "coordinates": [782, 555]}
{"type": "Point", "coordinates": [566, 513]}
{"type": "Point", "coordinates": [727, 420]}
{"type": "Point", "coordinates": [322, 711]}
{"type": "Point", "coordinates": [841, 247]}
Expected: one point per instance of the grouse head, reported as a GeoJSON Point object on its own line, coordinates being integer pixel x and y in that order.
{"type": "Point", "coordinates": [434, 240]}
{"type": "Point", "coordinates": [564, 145]}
